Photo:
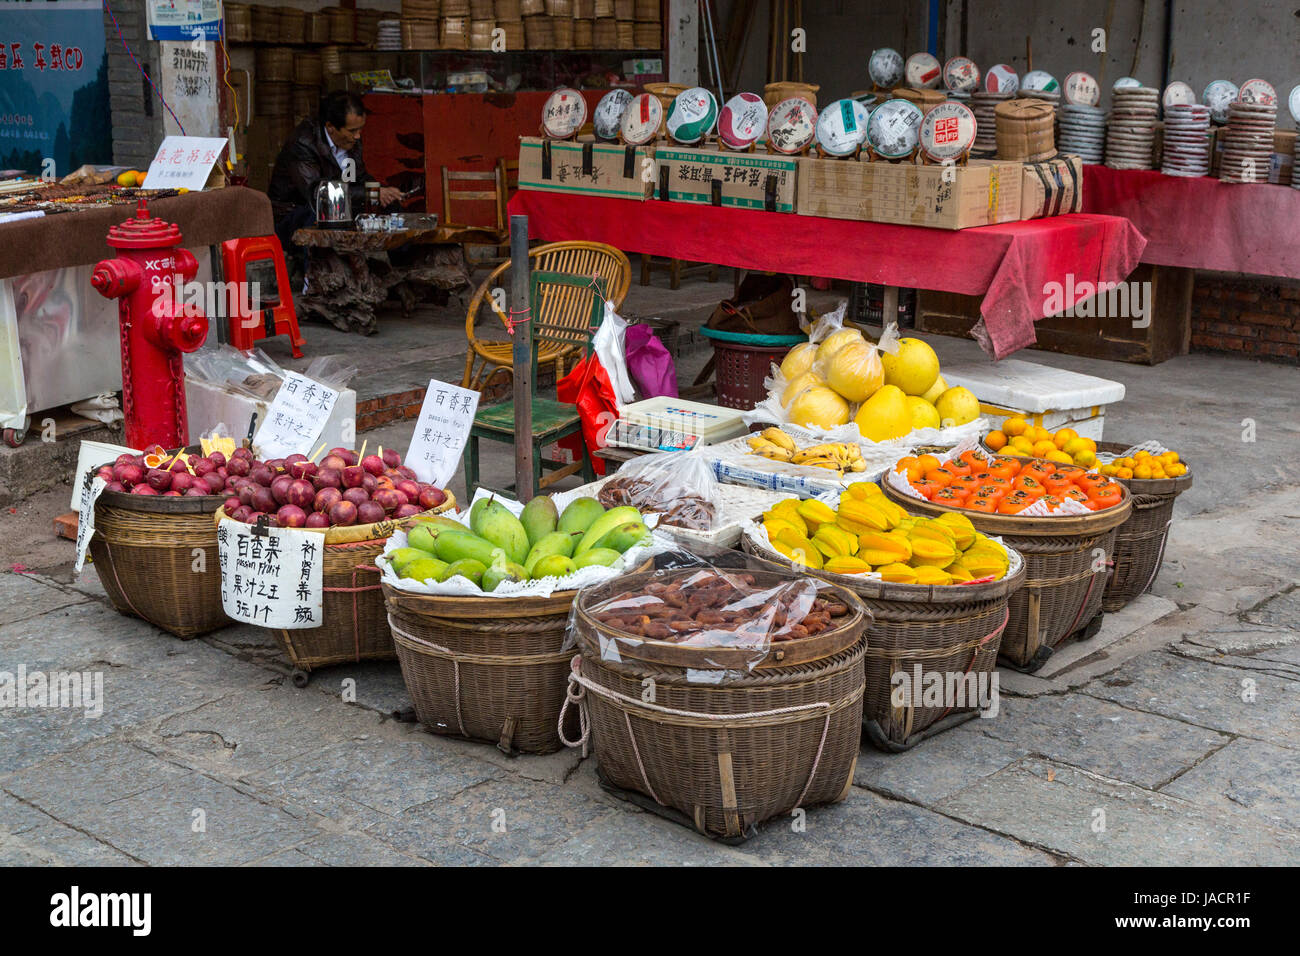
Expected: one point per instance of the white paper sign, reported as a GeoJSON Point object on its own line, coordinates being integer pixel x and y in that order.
{"type": "Point", "coordinates": [271, 577]}
{"type": "Point", "coordinates": [189, 76]}
{"type": "Point", "coordinates": [90, 491]}
{"type": "Point", "coordinates": [296, 417]}
{"type": "Point", "coordinates": [184, 162]}
{"type": "Point", "coordinates": [441, 432]}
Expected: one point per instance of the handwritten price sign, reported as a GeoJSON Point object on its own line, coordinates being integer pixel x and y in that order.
{"type": "Point", "coordinates": [296, 417]}
{"type": "Point", "coordinates": [271, 577]}
{"type": "Point", "coordinates": [441, 432]}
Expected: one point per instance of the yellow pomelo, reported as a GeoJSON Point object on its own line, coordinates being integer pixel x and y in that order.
{"type": "Point", "coordinates": [819, 407]}
{"type": "Point", "coordinates": [835, 341]}
{"type": "Point", "coordinates": [924, 415]}
{"type": "Point", "coordinates": [884, 415]}
{"type": "Point", "coordinates": [913, 369]}
{"type": "Point", "coordinates": [798, 360]}
{"type": "Point", "coordinates": [937, 389]}
{"type": "Point", "coordinates": [798, 384]}
{"type": "Point", "coordinates": [957, 406]}
{"type": "Point", "coordinates": [855, 371]}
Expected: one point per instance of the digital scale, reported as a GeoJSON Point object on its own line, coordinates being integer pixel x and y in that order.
{"type": "Point", "coordinates": [669, 424]}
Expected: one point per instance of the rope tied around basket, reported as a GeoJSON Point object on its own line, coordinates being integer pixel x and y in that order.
{"type": "Point", "coordinates": [586, 684]}
{"type": "Point", "coordinates": [455, 665]}
{"type": "Point", "coordinates": [1160, 558]}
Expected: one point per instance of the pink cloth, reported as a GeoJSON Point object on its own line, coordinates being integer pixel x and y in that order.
{"type": "Point", "coordinates": [1010, 265]}
{"type": "Point", "coordinates": [1200, 223]}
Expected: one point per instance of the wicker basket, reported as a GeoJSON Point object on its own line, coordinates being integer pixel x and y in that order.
{"type": "Point", "coordinates": [480, 34]}
{"type": "Point", "coordinates": [292, 25]}
{"type": "Point", "coordinates": [331, 58]}
{"type": "Point", "coordinates": [456, 8]}
{"type": "Point", "coordinates": [560, 8]}
{"type": "Point", "coordinates": [513, 37]}
{"type": "Point", "coordinates": [490, 669]}
{"type": "Point", "coordinates": [625, 35]}
{"type": "Point", "coordinates": [774, 93]}
{"type": "Point", "coordinates": [146, 548]}
{"type": "Point", "coordinates": [274, 64]}
{"type": "Point", "coordinates": [602, 8]}
{"type": "Point", "coordinates": [538, 33]}
{"type": "Point", "coordinates": [304, 101]}
{"type": "Point", "coordinates": [955, 629]}
{"type": "Point", "coordinates": [1140, 541]}
{"type": "Point", "coordinates": [368, 27]}
{"type": "Point", "coordinates": [1064, 557]}
{"type": "Point", "coordinates": [604, 34]}
{"type": "Point", "coordinates": [239, 22]}
{"type": "Point", "coordinates": [725, 757]}
{"type": "Point", "coordinates": [584, 9]}
{"type": "Point", "coordinates": [354, 621]}
{"type": "Point", "coordinates": [317, 29]}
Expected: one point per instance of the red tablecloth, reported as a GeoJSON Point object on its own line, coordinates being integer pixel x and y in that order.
{"type": "Point", "coordinates": [1201, 223]}
{"type": "Point", "coordinates": [1010, 265]}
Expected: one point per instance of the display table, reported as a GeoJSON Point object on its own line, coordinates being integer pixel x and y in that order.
{"type": "Point", "coordinates": [1201, 223]}
{"type": "Point", "coordinates": [1010, 266]}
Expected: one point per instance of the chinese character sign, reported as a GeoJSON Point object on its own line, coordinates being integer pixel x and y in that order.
{"type": "Point", "coordinates": [90, 491]}
{"type": "Point", "coordinates": [441, 432]}
{"type": "Point", "coordinates": [184, 19]}
{"type": "Point", "coordinates": [296, 417]}
{"type": "Point", "coordinates": [271, 577]}
{"type": "Point", "coordinates": [184, 162]}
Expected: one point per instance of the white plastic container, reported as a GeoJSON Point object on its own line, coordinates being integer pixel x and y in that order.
{"type": "Point", "coordinates": [1050, 398]}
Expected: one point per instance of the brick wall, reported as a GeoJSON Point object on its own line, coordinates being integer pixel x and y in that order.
{"type": "Point", "coordinates": [137, 114]}
{"type": "Point", "coordinates": [1252, 316]}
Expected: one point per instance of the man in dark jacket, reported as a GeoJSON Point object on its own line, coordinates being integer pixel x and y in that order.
{"type": "Point", "coordinates": [321, 148]}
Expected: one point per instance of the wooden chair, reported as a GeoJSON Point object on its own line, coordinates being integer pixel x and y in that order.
{"type": "Point", "coordinates": [465, 186]}
{"type": "Point", "coordinates": [551, 420]}
{"type": "Point", "coordinates": [584, 259]}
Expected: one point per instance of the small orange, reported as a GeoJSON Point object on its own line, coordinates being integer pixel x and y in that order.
{"type": "Point", "coordinates": [1043, 448]}
{"type": "Point", "coordinates": [928, 463]}
{"type": "Point", "coordinates": [1014, 426]}
{"type": "Point", "coordinates": [1124, 473]}
{"type": "Point", "coordinates": [1063, 436]}
{"type": "Point", "coordinates": [995, 440]}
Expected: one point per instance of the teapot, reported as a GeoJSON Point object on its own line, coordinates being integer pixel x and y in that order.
{"type": "Point", "coordinates": [333, 205]}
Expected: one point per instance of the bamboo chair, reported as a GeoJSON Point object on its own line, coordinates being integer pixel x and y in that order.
{"type": "Point", "coordinates": [585, 259]}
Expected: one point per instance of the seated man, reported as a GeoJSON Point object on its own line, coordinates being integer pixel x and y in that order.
{"type": "Point", "coordinates": [318, 150]}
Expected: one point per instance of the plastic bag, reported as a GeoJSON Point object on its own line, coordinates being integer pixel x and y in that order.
{"type": "Point", "coordinates": [587, 386]}
{"type": "Point", "coordinates": [254, 374]}
{"type": "Point", "coordinates": [331, 370]}
{"type": "Point", "coordinates": [677, 485]}
{"type": "Point", "coordinates": [716, 620]}
{"type": "Point", "coordinates": [650, 363]}
{"type": "Point", "coordinates": [608, 344]}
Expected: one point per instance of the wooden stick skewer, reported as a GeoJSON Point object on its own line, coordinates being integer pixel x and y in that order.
{"type": "Point", "coordinates": [316, 454]}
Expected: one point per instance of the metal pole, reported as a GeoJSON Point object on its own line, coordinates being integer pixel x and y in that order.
{"type": "Point", "coordinates": [522, 356]}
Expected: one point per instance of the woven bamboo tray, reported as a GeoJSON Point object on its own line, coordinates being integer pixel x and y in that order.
{"type": "Point", "coordinates": [1140, 541]}
{"type": "Point", "coordinates": [456, 8]}
{"type": "Point", "coordinates": [723, 758]}
{"type": "Point", "coordinates": [354, 621]}
{"type": "Point", "coordinates": [562, 28]}
{"type": "Point", "coordinates": [955, 629]}
{"type": "Point", "coordinates": [647, 36]}
{"type": "Point", "coordinates": [624, 9]}
{"type": "Point", "coordinates": [583, 34]}
{"type": "Point", "coordinates": [604, 36]}
{"type": "Point", "coordinates": [1065, 556]}
{"type": "Point", "coordinates": [480, 34]}
{"type": "Point", "coordinates": [146, 550]}
{"type": "Point", "coordinates": [625, 35]}
{"type": "Point", "coordinates": [420, 35]}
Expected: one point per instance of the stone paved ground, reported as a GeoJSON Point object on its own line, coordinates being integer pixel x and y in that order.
{"type": "Point", "coordinates": [1178, 725]}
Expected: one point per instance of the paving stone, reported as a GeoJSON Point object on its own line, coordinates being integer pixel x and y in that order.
{"type": "Point", "coordinates": [869, 830]}
{"type": "Point", "coordinates": [293, 857]}
{"type": "Point", "coordinates": [1207, 694]}
{"type": "Point", "coordinates": [642, 839]}
{"type": "Point", "coordinates": [1239, 640]}
{"type": "Point", "coordinates": [938, 767]}
{"type": "Point", "coordinates": [1141, 828]}
{"type": "Point", "coordinates": [1101, 736]}
{"type": "Point", "coordinates": [1282, 611]}
{"type": "Point", "coordinates": [1116, 626]}
{"type": "Point", "coordinates": [1201, 559]}
{"type": "Point", "coordinates": [378, 685]}
{"type": "Point", "coordinates": [1268, 665]}
{"type": "Point", "coordinates": [97, 774]}
{"type": "Point", "coordinates": [57, 845]}
{"type": "Point", "coordinates": [353, 849]}
{"type": "Point", "coordinates": [26, 596]}
{"type": "Point", "coordinates": [536, 818]}
{"type": "Point", "coordinates": [1247, 774]}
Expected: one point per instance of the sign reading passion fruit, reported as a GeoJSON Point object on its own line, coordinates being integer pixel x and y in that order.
{"type": "Point", "coordinates": [271, 577]}
{"type": "Point", "coordinates": [296, 417]}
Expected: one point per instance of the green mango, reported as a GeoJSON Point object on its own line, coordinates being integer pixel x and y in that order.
{"type": "Point", "coordinates": [423, 537]}
{"type": "Point", "coordinates": [625, 536]}
{"type": "Point", "coordinates": [453, 546]}
{"type": "Point", "coordinates": [502, 569]}
{"type": "Point", "coordinates": [423, 569]}
{"type": "Point", "coordinates": [466, 568]}
{"type": "Point", "coordinates": [539, 518]}
{"type": "Point", "coordinates": [557, 542]}
{"type": "Point", "coordinates": [603, 557]}
{"type": "Point", "coordinates": [555, 565]}
{"type": "Point", "coordinates": [603, 525]}
{"type": "Point", "coordinates": [579, 515]}
{"type": "Point", "coordinates": [439, 522]}
{"type": "Point", "coordinates": [492, 521]}
{"type": "Point", "coordinates": [401, 557]}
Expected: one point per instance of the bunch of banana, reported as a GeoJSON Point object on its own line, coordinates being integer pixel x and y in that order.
{"type": "Point", "coordinates": [772, 443]}
{"type": "Point", "coordinates": [840, 457]}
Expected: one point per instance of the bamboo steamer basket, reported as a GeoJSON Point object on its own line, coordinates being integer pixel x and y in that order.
{"type": "Point", "coordinates": [343, 25]}
{"type": "Point", "coordinates": [559, 8]}
{"type": "Point", "coordinates": [239, 22]}
{"type": "Point", "coordinates": [420, 35]}
{"type": "Point", "coordinates": [292, 25]}
{"type": "Point", "coordinates": [774, 93]}
{"type": "Point", "coordinates": [1025, 130]}
{"type": "Point", "coordinates": [368, 26]}
{"type": "Point", "coordinates": [604, 34]}
{"type": "Point", "coordinates": [625, 35]}
{"type": "Point", "coordinates": [273, 99]}
{"type": "Point", "coordinates": [624, 9]}
{"type": "Point", "coordinates": [1140, 541]}
{"type": "Point", "coordinates": [331, 58]}
{"type": "Point", "coordinates": [1065, 566]}
{"type": "Point", "coordinates": [647, 36]}
{"type": "Point", "coordinates": [480, 34]}
{"type": "Point", "coordinates": [532, 8]}
{"type": "Point", "coordinates": [317, 28]}
{"type": "Point", "coordinates": [456, 8]}
{"type": "Point", "coordinates": [145, 550]}
{"type": "Point", "coordinates": [583, 35]}
{"type": "Point", "coordinates": [665, 93]}
{"type": "Point", "coordinates": [274, 64]}
{"type": "Point", "coordinates": [584, 9]}
{"type": "Point", "coordinates": [482, 10]}
{"type": "Point", "coordinates": [308, 68]}
{"type": "Point", "coordinates": [723, 757]}
{"type": "Point", "coordinates": [358, 61]}
{"type": "Point", "coordinates": [562, 27]}
{"type": "Point", "coordinates": [602, 8]}
{"type": "Point", "coordinates": [507, 10]}
{"type": "Point", "coordinates": [304, 101]}
{"type": "Point", "coordinates": [455, 33]}
{"type": "Point", "coordinates": [926, 100]}
{"type": "Point", "coordinates": [266, 21]}
{"type": "Point", "coordinates": [354, 624]}
{"type": "Point", "coordinates": [646, 11]}
{"type": "Point", "coordinates": [513, 34]}
{"type": "Point", "coordinates": [421, 9]}
{"type": "Point", "coordinates": [539, 34]}
{"type": "Point", "coordinates": [951, 629]}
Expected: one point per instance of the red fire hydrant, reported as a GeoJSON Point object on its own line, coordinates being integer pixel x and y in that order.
{"type": "Point", "coordinates": [156, 325]}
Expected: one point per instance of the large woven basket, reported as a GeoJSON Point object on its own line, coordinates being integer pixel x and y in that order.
{"type": "Point", "coordinates": [354, 624]}
{"type": "Point", "coordinates": [1140, 541]}
{"type": "Point", "coordinates": [157, 559]}
{"type": "Point", "coordinates": [1066, 561]}
{"type": "Point", "coordinates": [490, 669]}
{"type": "Point", "coordinates": [724, 757]}
{"type": "Point", "coordinates": [951, 630]}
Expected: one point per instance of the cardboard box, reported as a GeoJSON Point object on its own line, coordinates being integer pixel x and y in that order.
{"type": "Point", "coordinates": [586, 168]}
{"type": "Point", "coordinates": [942, 197]}
{"type": "Point", "coordinates": [724, 178]}
{"type": "Point", "coordinates": [1279, 169]}
{"type": "Point", "coordinates": [1053, 188]}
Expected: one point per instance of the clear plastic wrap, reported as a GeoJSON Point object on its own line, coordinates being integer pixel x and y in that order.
{"type": "Point", "coordinates": [331, 370]}
{"type": "Point", "coordinates": [679, 486]}
{"type": "Point", "coordinates": [254, 374]}
{"type": "Point", "coordinates": [711, 619]}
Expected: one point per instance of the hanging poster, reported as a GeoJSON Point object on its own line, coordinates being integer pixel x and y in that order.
{"type": "Point", "coordinates": [184, 19]}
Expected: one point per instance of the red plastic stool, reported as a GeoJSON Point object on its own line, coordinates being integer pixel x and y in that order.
{"type": "Point", "coordinates": [278, 316]}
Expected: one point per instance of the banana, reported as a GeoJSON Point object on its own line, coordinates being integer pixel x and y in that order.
{"type": "Point", "coordinates": [774, 452]}
{"type": "Point", "coordinates": [778, 437]}
{"type": "Point", "coordinates": [831, 464]}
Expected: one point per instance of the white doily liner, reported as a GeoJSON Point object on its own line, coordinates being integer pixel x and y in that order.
{"type": "Point", "coordinates": [542, 587]}
{"type": "Point", "coordinates": [1039, 509]}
